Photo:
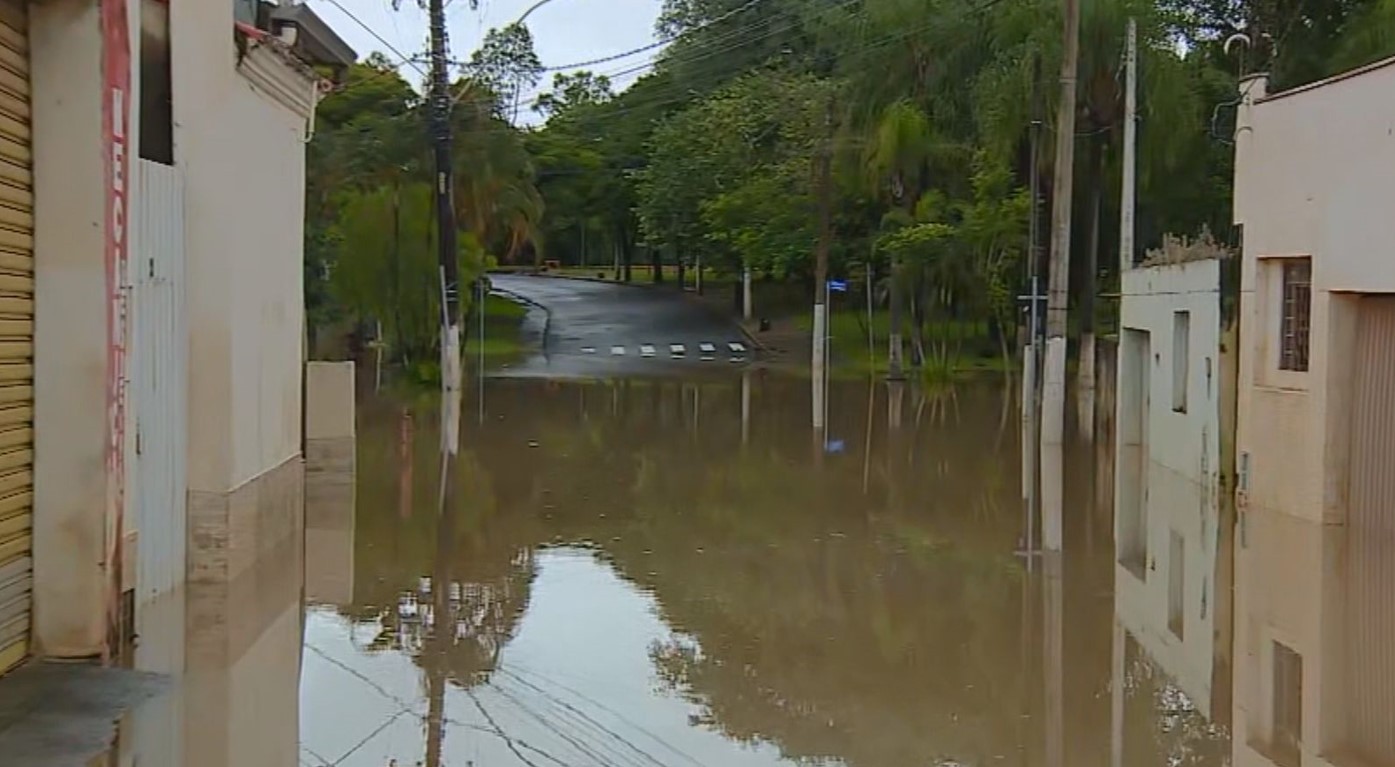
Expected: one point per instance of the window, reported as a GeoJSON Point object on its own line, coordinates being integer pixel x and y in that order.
{"type": "Point", "coordinates": [1131, 521]}
{"type": "Point", "coordinates": [1287, 739]}
{"type": "Point", "coordinates": [1181, 359]}
{"type": "Point", "coordinates": [1295, 314]}
{"type": "Point", "coordinates": [1288, 706]}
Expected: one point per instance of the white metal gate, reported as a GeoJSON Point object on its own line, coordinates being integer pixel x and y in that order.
{"type": "Point", "coordinates": [1371, 538]}
{"type": "Point", "coordinates": [159, 381]}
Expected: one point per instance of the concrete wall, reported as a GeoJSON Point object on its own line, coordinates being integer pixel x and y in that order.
{"type": "Point", "coordinates": [70, 351]}
{"type": "Point", "coordinates": [244, 158]}
{"type": "Point", "coordinates": [1181, 472]}
{"type": "Point", "coordinates": [1315, 168]}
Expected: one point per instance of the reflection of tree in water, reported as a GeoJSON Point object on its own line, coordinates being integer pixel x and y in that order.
{"type": "Point", "coordinates": [868, 611]}
{"type": "Point", "coordinates": [491, 569]}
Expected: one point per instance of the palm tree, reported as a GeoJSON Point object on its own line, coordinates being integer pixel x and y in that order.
{"type": "Point", "coordinates": [896, 158]}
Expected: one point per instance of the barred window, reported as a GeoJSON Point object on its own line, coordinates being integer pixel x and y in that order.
{"type": "Point", "coordinates": [1296, 314]}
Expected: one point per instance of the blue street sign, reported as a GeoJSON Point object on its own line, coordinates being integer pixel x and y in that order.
{"type": "Point", "coordinates": [838, 286]}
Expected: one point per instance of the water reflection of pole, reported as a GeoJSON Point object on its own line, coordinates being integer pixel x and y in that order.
{"type": "Point", "coordinates": [1116, 710]}
{"type": "Point", "coordinates": [1053, 638]}
{"type": "Point", "coordinates": [404, 464]}
{"type": "Point", "coordinates": [442, 617]}
{"type": "Point", "coordinates": [867, 447]}
{"type": "Point", "coordinates": [745, 407]}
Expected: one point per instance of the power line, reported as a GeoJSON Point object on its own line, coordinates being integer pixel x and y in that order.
{"type": "Point", "coordinates": [656, 44]}
{"type": "Point", "coordinates": [678, 94]}
{"type": "Point", "coordinates": [709, 48]}
{"type": "Point", "coordinates": [400, 55]}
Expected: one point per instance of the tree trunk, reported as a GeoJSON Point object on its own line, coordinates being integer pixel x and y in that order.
{"type": "Point", "coordinates": [398, 338]}
{"type": "Point", "coordinates": [895, 364]}
{"type": "Point", "coordinates": [656, 262]}
{"type": "Point", "coordinates": [626, 254]}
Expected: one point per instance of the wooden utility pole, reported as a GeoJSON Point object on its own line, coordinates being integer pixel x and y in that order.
{"type": "Point", "coordinates": [1054, 387]}
{"type": "Point", "coordinates": [448, 251]}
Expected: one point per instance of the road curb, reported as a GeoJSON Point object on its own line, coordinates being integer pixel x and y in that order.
{"type": "Point", "coordinates": [579, 278]}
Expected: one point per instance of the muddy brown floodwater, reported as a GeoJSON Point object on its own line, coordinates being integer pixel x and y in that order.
{"type": "Point", "coordinates": [650, 572]}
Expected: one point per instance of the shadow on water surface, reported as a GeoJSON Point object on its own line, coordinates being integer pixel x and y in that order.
{"type": "Point", "coordinates": [662, 572]}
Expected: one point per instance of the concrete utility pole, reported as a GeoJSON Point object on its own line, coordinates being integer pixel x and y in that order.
{"type": "Point", "coordinates": [1130, 190]}
{"type": "Point", "coordinates": [820, 341]}
{"type": "Point", "coordinates": [1031, 354]}
{"type": "Point", "coordinates": [1054, 388]}
{"type": "Point", "coordinates": [445, 233]}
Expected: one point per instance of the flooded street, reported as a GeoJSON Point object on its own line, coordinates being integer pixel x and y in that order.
{"type": "Point", "coordinates": [632, 573]}
{"type": "Point", "coordinates": [666, 572]}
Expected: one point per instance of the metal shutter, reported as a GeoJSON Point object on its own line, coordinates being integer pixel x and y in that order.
{"type": "Point", "coordinates": [16, 337]}
{"type": "Point", "coordinates": [1371, 538]}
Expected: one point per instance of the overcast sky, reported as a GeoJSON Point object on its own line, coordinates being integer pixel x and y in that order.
{"type": "Point", "coordinates": [564, 31]}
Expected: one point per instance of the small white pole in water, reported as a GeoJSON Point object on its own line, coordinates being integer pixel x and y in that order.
{"type": "Point", "coordinates": [746, 294]}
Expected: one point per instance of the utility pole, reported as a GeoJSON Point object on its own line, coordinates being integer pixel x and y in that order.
{"type": "Point", "coordinates": [822, 171]}
{"type": "Point", "coordinates": [1130, 191]}
{"type": "Point", "coordinates": [1054, 388]}
{"type": "Point", "coordinates": [445, 233]}
{"type": "Point", "coordinates": [1031, 354]}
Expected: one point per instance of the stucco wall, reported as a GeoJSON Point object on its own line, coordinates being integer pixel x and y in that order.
{"type": "Point", "coordinates": [1315, 169]}
{"type": "Point", "coordinates": [244, 157]}
{"type": "Point", "coordinates": [1182, 470]}
{"type": "Point", "coordinates": [70, 350]}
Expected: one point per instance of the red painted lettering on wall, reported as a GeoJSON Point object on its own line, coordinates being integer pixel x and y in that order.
{"type": "Point", "coordinates": [116, 80]}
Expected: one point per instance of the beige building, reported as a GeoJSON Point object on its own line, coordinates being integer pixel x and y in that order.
{"type": "Point", "coordinates": [152, 167]}
{"type": "Point", "coordinates": [1315, 554]}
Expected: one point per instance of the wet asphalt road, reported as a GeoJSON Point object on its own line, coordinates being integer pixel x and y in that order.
{"type": "Point", "coordinates": [604, 329]}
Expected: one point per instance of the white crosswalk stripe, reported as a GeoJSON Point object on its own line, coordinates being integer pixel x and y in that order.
{"type": "Point", "coordinates": [707, 351]}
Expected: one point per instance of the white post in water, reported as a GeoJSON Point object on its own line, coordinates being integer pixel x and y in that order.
{"type": "Point", "coordinates": [746, 308]}
{"type": "Point", "coordinates": [820, 361]}
{"type": "Point", "coordinates": [1029, 444]}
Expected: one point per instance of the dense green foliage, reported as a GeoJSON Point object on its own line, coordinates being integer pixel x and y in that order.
{"type": "Point", "coordinates": [371, 252]}
{"type": "Point", "coordinates": [925, 110]}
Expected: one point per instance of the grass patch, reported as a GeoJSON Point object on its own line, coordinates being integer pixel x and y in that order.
{"type": "Point", "coordinates": [503, 329]}
{"type": "Point", "coordinates": [849, 353]}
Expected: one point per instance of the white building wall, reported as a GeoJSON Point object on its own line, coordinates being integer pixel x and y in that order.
{"type": "Point", "coordinates": [243, 152]}
{"type": "Point", "coordinates": [1315, 171]}
{"type": "Point", "coordinates": [1182, 471]}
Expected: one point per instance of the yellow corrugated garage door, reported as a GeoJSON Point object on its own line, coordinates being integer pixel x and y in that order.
{"type": "Point", "coordinates": [16, 337]}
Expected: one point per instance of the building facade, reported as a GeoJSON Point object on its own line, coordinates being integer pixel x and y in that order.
{"type": "Point", "coordinates": [1173, 521]}
{"type": "Point", "coordinates": [151, 225]}
{"type": "Point", "coordinates": [1315, 554]}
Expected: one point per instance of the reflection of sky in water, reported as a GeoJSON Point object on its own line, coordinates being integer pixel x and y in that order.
{"type": "Point", "coordinates": [576, 686]}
